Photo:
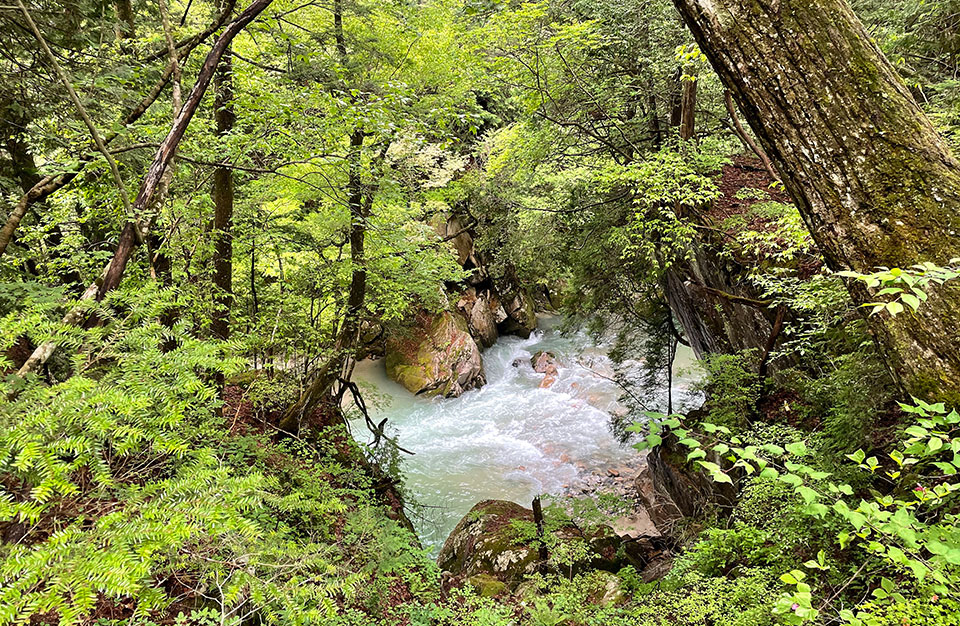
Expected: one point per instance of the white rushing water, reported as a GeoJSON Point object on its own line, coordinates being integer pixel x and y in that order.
{"type": "Point", "coordinates": [510, 439]}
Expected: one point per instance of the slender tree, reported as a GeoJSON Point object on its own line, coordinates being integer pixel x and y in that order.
{"type": "Point", "coordinates": [224, 118]}
{"type": "Point", "coordinates": [875, 183]}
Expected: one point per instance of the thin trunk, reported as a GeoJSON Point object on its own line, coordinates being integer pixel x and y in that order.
{"type": "Point", "coordinates": [673, 357]}
{"type": "Point", "coordinates": [874, 182]}
{"type": "Point", "coordinates": [55, 182]}
{"type": "Point", "coordinates": [126, 27]}
{"type": "Point", "coordinates": [129, 238]}
{"type": "Point", "coordinates": [745, 136]}
{"type": "Point", "coordinates": [772, 341]}
{"type": "Point", "coordinates": [688, 106]}
{"type": "Point", "coordinates": [676, 98]}
{"type": "Point", "coordinates": [338, 30]}
{"type": "Point", "coordinates": [223, 204]}
{"type": "Point", "coordinates": [655, 131]}
{"type": "Point", "coordinates": [542, 553]}
{"type": "Point", "coordinates": [94, 134]}
{"type": "Point", "coordinates": [347, 337]}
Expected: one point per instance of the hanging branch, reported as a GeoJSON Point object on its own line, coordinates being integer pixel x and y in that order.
{"type": "Point", "coordinates": [132, 233]}
{"type": "Point", "coordinates": [745, 138]}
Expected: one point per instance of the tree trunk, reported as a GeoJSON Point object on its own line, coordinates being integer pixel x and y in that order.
{"type": "Point", "coordinates": [655, 131]}
{"type": "Point", "coordinates": [223, 204]}
{"type": "Point", "coordinates": [126, 27]}
{"type": "Point", "coordinates": [676, 98]}
{"type": "Point", "coordinates": [346, 339]}
{"type": "Point", "coordinates": [168, 148]}
{"type": "Point", "coordinates": [688, 106]}
{"type": "Point", "coordinates": [745, 136]}
{"type": "Point", "coordinates": [54, 182]}
{"type": "Point", "coordinates": [873, 181]}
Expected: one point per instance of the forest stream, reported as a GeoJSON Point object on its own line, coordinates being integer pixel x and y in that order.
{"type": "Point", "coordinates": [510, 439]}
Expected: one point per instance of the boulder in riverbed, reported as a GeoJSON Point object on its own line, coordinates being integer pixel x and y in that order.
{"type": "Point", "coordinates": [490, 541]}
{"type": "Point", "coordinates": [437, 356]}
{"type": "Point", "coordinates": [545, 363]}
{"type": "Point", "coordinates": [521, 313]}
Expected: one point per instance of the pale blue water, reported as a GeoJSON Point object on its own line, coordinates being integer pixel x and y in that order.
{"type": "Point", "coordinates": [509, 439]}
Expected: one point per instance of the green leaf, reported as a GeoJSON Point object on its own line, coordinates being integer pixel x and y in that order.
{"type": "Point", "coordinates": [912, 301]}
{"type": "Point", "coordinates": [857, 456]}
{"type": "Point", "coordinates": [773, 448]}
{"type": "Point", "coordinates": [808, 494]}
{"type": "Point", "coordinates": [797, 448]}
{"type": "Point", "coordinates": [720, 477]}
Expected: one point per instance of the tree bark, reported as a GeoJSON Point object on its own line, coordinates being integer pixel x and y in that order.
{"type": "Point", "coordinates": [168, 148]}
{"type": "Point", "coordinates": [688, 107]}
{"type": "Point", "coordinates": [874, 182]}
{"type": "Point", "coordinates": [676, 98]}
{"type": "Point", "coordinates": [223, 203]}
{"type": "Point", "coordinates": [126, 27]}
{"type": "Point", "coordinates": [129, 238]}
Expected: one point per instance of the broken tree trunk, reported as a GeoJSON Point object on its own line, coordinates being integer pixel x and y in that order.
{"type": "Point", "coordinates": [874, 182]}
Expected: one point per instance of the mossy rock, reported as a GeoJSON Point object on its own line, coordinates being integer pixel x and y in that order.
{"type": "Point", "coordinates": [486, 543]}
{"type": "Point", "coordinates": [486, 585]}
{"type": "Point", "coordinates": [436, 356]}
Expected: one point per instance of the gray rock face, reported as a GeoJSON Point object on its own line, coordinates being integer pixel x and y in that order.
{"type": "Point", "coordinates": [671, 490]}
{"type": "Point", "coordinates": [520, 312]}
{"type": "Point", "coordinates": [437, 356]}
{"type": "Point", "coordinates": [713, 323]}
{"type": "Point", "coordinates": [478, 309]}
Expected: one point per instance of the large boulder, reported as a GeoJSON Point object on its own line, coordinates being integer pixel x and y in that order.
{"type": "Point", "coordinates": [488, 542]}
{"type": "Point", "coordinates": [478, 310]}
{"type": "Point", "coordinates": [458, 233]}
{"type": "Point", "coordinates": [484, 542]}
{"type": "Point", "coordinates": [437, 356]}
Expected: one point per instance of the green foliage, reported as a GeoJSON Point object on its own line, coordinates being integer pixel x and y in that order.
{"type": "Point", "coordinates": [124, 475]}
{"type": "Point", "coordinates": [909, 527]}
{"type": "Point", "coordinates": [905, 287]}
{"type": "Point", "coordinates": [732, 386]}
{"type": "Point", "coordinates": [781, 239]}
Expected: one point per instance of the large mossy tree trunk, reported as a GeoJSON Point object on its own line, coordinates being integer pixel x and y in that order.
{"type": "Point", "coordinates": [875, 183]}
